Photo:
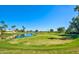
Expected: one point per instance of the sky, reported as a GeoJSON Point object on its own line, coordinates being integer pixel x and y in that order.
{"type": "Point", "coordinates": [41, 17]}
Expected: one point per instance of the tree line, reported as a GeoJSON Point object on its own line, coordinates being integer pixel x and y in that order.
{"type": "Point", "coordinates": [73, 27]}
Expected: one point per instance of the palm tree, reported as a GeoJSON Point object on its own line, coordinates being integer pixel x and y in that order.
{"type": "Point", "coordinates": [23, 28]}
{"type": "Point", "coordinates": [77, 9]}
{"type": "Point", "coordinates": [5, 26]}
{"type": "Point", "coordinates": [2, 22]}
{"type": "Point", "coordinates": [2, 26]}
{"type": "Point", "coordinates": [13, 27]}
{"type": "Point", "coordinates": [0, 30]}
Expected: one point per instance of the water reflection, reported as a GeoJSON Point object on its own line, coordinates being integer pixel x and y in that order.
{"type": "Point", "coordinates": [23, 35]}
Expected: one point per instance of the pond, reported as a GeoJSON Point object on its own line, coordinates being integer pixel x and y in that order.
{"type": "Point", "coordinates": [23, 35]}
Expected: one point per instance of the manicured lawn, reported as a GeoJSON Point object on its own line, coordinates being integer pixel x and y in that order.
{"type": "Point", "coordinates": [40, 43]}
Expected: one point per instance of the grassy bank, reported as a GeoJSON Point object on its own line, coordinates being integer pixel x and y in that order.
{"type": "Point", "coordinates": [40, 43]}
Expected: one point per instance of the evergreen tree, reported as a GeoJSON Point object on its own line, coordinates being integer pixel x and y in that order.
{"type": "Point", "coordinates": [74, 24]}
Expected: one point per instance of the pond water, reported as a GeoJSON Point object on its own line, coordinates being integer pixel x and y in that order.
{"type": "Point", "coordinates": [23, 35]}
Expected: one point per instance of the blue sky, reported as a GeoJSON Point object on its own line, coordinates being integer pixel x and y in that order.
{"type": "Point", "coordinates": [41, 17]}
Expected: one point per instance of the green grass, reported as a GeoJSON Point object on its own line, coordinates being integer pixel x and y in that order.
{"type": "Point", "coordinates": [39, 44]}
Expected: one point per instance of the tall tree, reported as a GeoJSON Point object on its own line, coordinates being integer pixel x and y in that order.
{"type": "Point", "coordinates": [74, 24]}
{"type": "Point", "coordinates": [77, 9]}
